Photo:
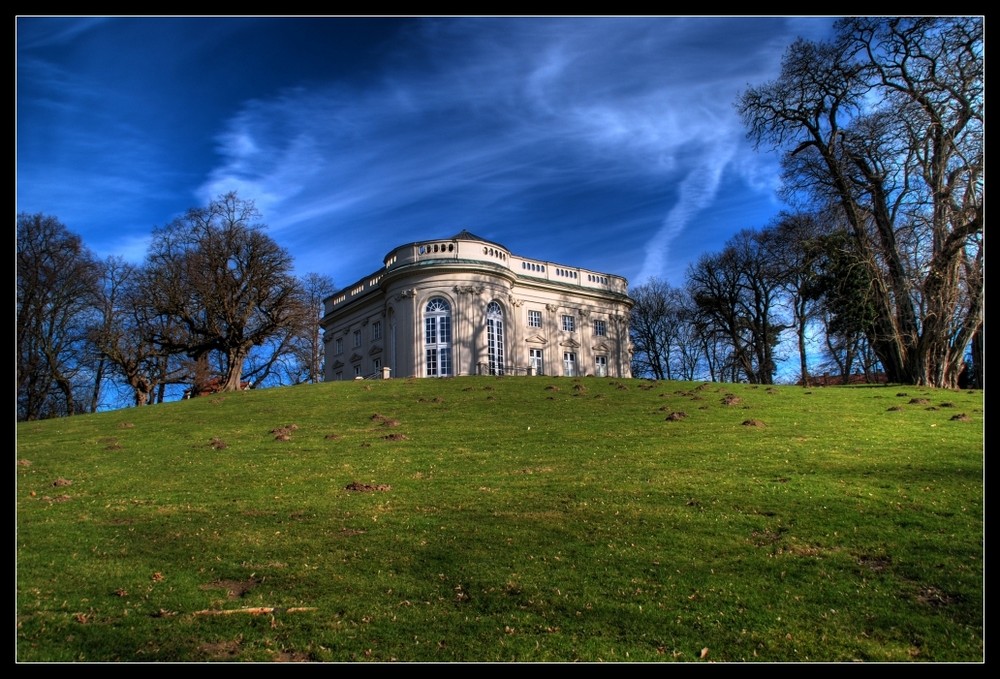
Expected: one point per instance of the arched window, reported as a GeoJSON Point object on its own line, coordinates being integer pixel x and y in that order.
{"type": "Point", "coordinates": [494, 337]}
{"type": "Point", "coordinates": [437, 338]}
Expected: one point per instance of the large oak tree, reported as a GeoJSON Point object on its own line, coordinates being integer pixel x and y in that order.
{"type": "Point", "coordinates": [886, 123]}
{"type": "Point", "coordinates": [224, 285]}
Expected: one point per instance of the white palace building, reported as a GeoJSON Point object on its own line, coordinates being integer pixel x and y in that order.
{"type": "Point", "coordinates": [467, 306]}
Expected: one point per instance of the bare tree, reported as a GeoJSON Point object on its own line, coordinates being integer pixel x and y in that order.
{"type": "Point", "coordinates": [226, 286]}
{"type": "Point", "coordinates": [887, 122]}
{"type": "Point", "coordinates": [663, 333]}
{"type": "Point", "coordinates": [56, 285]}
{"type": "Point", "coordinates": [690, 350]}
{"type": "Point", "coordinates": [317, 287]}
{"type": "Point", "coordinates": [652, 326]}
{"type": "Point", "coordinates": [795, 239]}
{"type": "Point", "coordinates": [737, 294]}
{"type": "Point", "coordinates": [125, 333]}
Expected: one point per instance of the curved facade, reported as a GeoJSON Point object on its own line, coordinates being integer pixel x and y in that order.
{"type": "Point", "coordinates": [467, 306]}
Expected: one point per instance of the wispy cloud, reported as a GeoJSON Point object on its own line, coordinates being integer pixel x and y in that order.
{"type": "Point", "coordinates": [556, 136]}
{"type": "Point", "coordinates": [507, 108]}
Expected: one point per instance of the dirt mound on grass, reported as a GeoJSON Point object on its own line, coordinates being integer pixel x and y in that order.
{"type": "Point", "coordinates": [367, 487]}
{"type": "Point", "coordinates": [235, 589]}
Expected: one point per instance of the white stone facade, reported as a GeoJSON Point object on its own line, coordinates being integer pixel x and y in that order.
{"type": "Point", "coordinates": [467, 306]}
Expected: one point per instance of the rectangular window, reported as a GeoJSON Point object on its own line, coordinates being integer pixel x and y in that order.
{"type": "Point", "coordinates": [537, 365]}
{"type": "Point", "coordinates": [569, 323]}
{"type": "Point", "coordinates": [602, 366]}
{"type": "Point", "coordinates": [534, 318]}
{"type": "Point", "coordinates": [357, 338]}
{"type": "Point", "coordinates": [357, 370]}
{"type": "Point", "coordinates": [600, 328]}
{"type": "Point", "coordinates": [339, 344]}
{"type": "Point", "coordinates": [339, 376]}
{"type": "Point", "coordinates": [376, 331]}
{"type": "Point", "coordinates": [569, 364]}
{"type": "Point", "coordinates": [376, 364]}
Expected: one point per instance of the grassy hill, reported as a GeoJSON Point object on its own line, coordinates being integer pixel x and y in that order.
{"type": "Point", "coordinates": [513, 519]}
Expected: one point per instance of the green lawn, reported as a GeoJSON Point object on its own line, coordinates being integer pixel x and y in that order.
{"type": "Point", "coordinates": [515, 519]}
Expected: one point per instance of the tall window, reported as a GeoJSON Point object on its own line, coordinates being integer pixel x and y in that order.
{"type": "Point", "coordinates": [357, 338]}
{"type": "Point", "coordinates": [569, 323]}
{"type": "Point", "coordinates": [537, 364]}
{"type": "Point", "coordinates": [437, 337]}
{"type": "Point", "coordinates": [494, 337]}
{"type": "Point", "coordinates": [534, 318]}
{"type": "Point", "coordinates": [569, 364]}
{"type": "Point", "coordinates": [339, 344]}
{"type": "Point", "coordinates": [602, 366]}
{"type": "Point", "coordinates": [376, 331]}
{"type": "Point", "coordinates": [600, 328]}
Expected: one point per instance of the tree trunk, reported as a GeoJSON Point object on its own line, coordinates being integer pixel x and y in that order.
{"type": "Point", "coordinates": [95, 396]}
{"type": "Point", "coordinates": [235, 357]}
{"type": "Point", "coordinates": [800, 314]}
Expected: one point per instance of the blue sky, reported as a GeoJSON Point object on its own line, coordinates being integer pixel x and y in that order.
{"type": "Point", "coordinates": [607, 143]}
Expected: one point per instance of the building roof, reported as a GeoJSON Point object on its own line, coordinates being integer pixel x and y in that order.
{"type": "Point", "coordinates": [465, 234]}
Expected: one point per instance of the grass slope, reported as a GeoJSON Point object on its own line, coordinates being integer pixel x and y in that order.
{"type": "Point", "coordinates": [514, 519]}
